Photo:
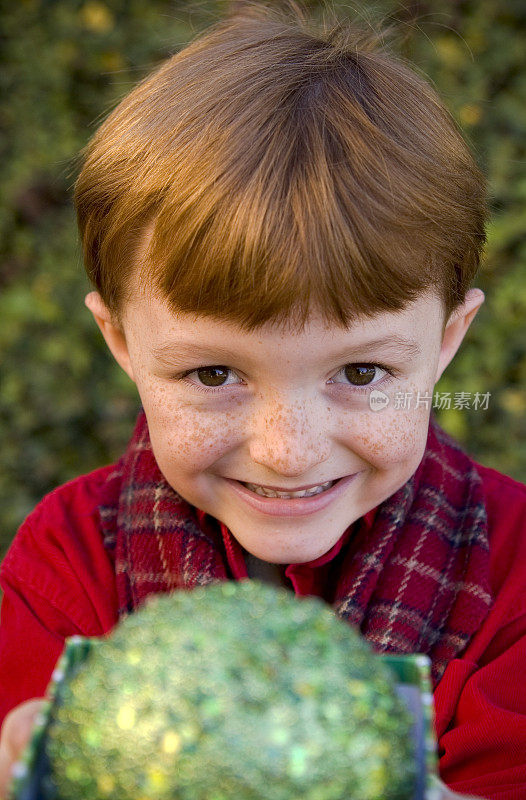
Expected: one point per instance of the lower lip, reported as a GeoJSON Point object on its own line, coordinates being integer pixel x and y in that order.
{"type": "Point", "coordinates": [295, 506]}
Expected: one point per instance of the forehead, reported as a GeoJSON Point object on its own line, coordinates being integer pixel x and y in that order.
{"type": "Point", "coordinates": [151, 319]}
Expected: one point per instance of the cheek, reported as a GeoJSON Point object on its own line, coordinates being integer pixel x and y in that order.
{"type": "Point", "coordinates": [184, 438]}
{"type": "Point", "coordinates": [390, 437]}
{"type": "Point", "coordinates": [399, 437]}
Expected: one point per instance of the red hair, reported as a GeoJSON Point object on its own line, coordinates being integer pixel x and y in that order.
{"type": "Point", "coordinates": [281, 167]}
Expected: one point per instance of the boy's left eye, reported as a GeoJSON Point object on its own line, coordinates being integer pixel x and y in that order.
{"type": "Point", "coordinates": [360, 374]}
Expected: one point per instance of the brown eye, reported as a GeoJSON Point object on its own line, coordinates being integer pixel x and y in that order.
{"type": "Point", "coordinates": [360, 374]}
{"type": "Point", "coordinates": [213, 376]}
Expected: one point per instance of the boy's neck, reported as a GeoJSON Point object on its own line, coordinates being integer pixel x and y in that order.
{"type": "Point", "coordinates": [265, 571]}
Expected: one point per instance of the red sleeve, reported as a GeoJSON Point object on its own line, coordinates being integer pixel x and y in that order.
{"type": "Point", "coordinates": [480, 702]}
{"type": "Point", "coordinates": [483, 749]}
{"type": "Point", "coordinates": [28, 648]}
{"type": "Point", "coordinates": [57, 581]}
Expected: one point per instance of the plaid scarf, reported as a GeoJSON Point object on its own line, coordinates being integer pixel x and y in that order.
{"type": "Point", "coordinates": [416, 582]}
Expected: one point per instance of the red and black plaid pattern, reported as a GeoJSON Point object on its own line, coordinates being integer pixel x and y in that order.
{"type": "Point", "coordinates": [417, 582]}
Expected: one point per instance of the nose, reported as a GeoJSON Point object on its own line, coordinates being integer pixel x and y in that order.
{"type": "Point", "coordinates": [290, 438]}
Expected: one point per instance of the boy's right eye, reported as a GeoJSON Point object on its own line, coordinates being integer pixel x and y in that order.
{"type": "Point", "coordinates": [212, 376]}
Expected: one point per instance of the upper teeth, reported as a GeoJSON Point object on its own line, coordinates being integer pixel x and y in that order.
{"type": "Point", "coordinates": [264, 492]}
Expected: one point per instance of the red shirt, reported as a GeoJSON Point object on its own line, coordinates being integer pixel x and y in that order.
{"type": "Point", "coordinates": [58, 580]}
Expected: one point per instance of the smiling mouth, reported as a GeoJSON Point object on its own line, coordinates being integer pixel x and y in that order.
{"type": "Point", "coordinates": [310, 491]}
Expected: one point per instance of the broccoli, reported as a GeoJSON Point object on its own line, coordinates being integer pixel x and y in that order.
{"type": "Point", "coordinates": [234, 691]}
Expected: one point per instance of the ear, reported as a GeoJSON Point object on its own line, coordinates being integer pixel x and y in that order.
{"type": "Point", "coordinates": [111, 330]}
{"type": "Point", "coordinates": [456, 327]}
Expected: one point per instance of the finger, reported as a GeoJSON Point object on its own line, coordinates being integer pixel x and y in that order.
{"type": "Point", "coordinates": [16, 733]}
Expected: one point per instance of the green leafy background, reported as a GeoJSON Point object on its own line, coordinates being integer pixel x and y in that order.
{"type": "Point", "coordinates": [65, 408]}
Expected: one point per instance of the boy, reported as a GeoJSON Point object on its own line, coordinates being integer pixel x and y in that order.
{"type": "Point", "coordinates": [282, 226]}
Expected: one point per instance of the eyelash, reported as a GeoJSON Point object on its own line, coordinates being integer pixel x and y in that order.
{"type": "Point", "coordinates": [391, 375]}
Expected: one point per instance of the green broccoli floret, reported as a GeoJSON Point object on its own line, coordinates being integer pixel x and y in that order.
{"type": "Point", "coordinates": [236, 691]}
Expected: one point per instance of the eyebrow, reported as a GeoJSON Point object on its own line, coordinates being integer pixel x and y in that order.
{"type": "Point", "coordinates": [174, 352]}
{"type": "Point", "coordinates": [393, 345]}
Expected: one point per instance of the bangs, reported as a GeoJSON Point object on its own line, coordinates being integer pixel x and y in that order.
{"type": "Point", "coordinates": [284, 253]}
{"type": "Point", "coordinates": [314, 208]}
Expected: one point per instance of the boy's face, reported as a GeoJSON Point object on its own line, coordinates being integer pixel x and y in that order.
{"type": "Point", "coordinates": [234, 415]}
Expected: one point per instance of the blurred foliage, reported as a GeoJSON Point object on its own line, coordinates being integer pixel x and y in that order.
{"type": "Point", "coordinates": [65, 408]}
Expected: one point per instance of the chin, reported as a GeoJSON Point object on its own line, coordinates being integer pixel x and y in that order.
{"type": "Point", "coordinates": [290, 556]}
